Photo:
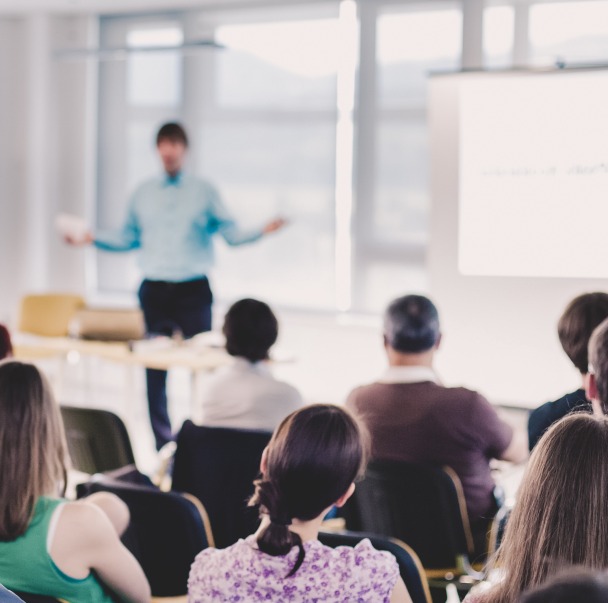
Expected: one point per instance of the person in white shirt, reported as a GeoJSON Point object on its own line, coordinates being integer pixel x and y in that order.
{"type": "Point", "coordinates": [245, 395]}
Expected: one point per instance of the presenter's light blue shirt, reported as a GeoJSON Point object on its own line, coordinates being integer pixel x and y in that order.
{"type": "Point", "coordinates": [172, 220]}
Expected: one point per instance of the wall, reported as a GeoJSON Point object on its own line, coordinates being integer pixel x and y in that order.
{"type": "Point", "coordinates": [500, 333]}
{"type": "Point", "coordinates": [45, 153]}
{"type": "Point", "coordinates": [12, 160]}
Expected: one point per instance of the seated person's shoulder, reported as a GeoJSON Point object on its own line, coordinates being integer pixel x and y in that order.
{"type": "Point", "coordinates": [461, 398]}
{"type": "Point", "coordinates": [364, 553]}
{"type": "Point", "coordinates": [287, 390]}
{"type": "Point", "coordinates": [211, 558]}
{"type": "Point", "coordinates": [364, 563]}
{"type": "Point", "coordinates": [85, 522]}
{"type": "Point", "coordinates": [546, 414]}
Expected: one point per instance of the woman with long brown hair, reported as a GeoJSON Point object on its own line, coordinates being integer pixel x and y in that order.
{"type": "Point", "coordinates": [309, 465]}
{"type": "Point", "coordinates": [48, 546]}
{"type": "Point", "coordinates": [560, 519]}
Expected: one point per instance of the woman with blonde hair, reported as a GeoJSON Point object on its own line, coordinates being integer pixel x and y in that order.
{"type": "Point", "coordinates": [309, 465]}
{"type": "Point", "coordinates": [560, 519]}
{"type": "Point", "coordinates": [48, 546]}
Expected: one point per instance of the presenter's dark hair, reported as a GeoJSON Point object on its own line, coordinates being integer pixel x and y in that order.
{"type": "Point", "coordinates": [598, 359]}
{"type": "Point", "coordinates": [251, 329]}
{"type": "Point", "coordinates": [582, 315]}
{"type": "Point", "coordinates": [575, 585]}
{"type": "Point", "coordinates": [172, 131]}
{"type": "Point", "coordinates": [6, 346]}
{"type": "Point", "coordinates": [314, 456]}
{"type": "Point", "coordinates": [411, 324]}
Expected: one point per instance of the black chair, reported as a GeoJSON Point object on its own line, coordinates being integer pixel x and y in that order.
{"type": "Point", "coordinates": [421, 505]}
{"type": "Point", "coordinates": [30, 597]}
{"type": "Point", "coordinates": [218, 466]}
{"type": "Point", "coordinates": [410, 568]}
{"type": "Point", "coordinates": [98, 440]}
{"type": "Point", "coordinates": [499, 525]}
{"type": "Point", "coordinates": [166, 532]}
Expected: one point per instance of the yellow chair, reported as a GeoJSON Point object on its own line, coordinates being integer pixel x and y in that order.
{"type": "Point", "coordinates": [48, 314]}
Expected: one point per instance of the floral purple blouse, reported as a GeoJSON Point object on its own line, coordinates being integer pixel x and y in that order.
{"type": "Point", "coordinates": [242, 573]}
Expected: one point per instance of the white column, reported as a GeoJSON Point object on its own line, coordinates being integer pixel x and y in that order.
{"type": "Point", "coordinates": [40, 161]}
{"type": "Point", "coordinates": [73, 141]}
{"type": "Point", "coordinates": [521, 42]}
{"type": "Point", "coordinates": [366, 121]}
{"type": "Point", "coordinates": [196, 81]}
{"type": "Point", "coordinates": [472, 34]}
{"type": "Point", "coordinates": [12, 162]}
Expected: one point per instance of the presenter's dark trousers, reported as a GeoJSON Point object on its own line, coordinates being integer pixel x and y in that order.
{"type": "Point", "coordinates": [168, 308]}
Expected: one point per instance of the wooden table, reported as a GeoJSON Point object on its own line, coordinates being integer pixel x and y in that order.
{"type": "Point", "coordinates": [163, 354]}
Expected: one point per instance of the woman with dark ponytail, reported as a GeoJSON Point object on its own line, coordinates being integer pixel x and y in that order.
{"type": "Point", "coordinates": [310, 465]}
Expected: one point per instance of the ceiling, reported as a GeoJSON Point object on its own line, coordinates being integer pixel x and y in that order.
{"type": "Point", "coordinates": [17, 7]}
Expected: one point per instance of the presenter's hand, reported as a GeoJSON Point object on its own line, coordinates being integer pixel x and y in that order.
{"type": "Point", "coordinates": [274, 225]}
{"type": "Point", "coordinates": [87, 239]}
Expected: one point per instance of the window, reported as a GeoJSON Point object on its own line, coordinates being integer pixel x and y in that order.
{"type": "Point", "coordinates": [392, 225]}
{"type": "Point", "coordinates": [570, 32]}
{"type": "Point", "coordinates": [268, 141]}
{"type": "Point", "coordinates": [412, 42]}
{"type": "Point", "coordinates": [154, 77]}
{"type": "Point", "coordinates": [498, 34]}
{"type": "Point", "coordinates": [136, 96]}
{"type": "Point", "coordinates": [277, 124]}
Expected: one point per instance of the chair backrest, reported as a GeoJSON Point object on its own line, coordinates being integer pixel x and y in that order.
{"type": "Point", "coordinates": [166, 532]}
{"type": "Point", "coordinates": [28, 598]}
{"type": "Point", "coordinates": [218, 466]}
{"type": "Point", "coordinates": [48, 314]}
{"type": "Point", "coordinates": [410, 567]}
{"type": "Point", "coordinates": [421, 505]}
{"type": "Point", "coordinates": [497, 532]}
{"type": "Point", "coordinates": [97, 439]}
{"type": "Point", "coordinates": [110, 324]}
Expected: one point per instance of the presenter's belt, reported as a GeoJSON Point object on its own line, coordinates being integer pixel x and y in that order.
{"type": "Point", "coordinates": [196, 279]}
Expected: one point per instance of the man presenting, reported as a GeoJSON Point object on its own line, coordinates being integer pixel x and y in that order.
{"type": "Point", "coordinates": [172, 220]}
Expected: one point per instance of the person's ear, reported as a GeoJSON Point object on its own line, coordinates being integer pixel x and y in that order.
{"type": "Point", "coordinates": [438, 342]}
{"type": "Point", "coordinates": [264, 461]}
{"type": "Point", "coordinates": [342, 500]}
{"type": "Point", "coordinates": [591, 387]}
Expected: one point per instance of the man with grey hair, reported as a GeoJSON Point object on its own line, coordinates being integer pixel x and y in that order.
{"type": "Point", "coordinates": [413, 418]}
{"type": "Point", "coordinates": [596, 383]}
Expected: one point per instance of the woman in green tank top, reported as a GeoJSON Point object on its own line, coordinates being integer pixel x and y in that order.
{"type": "Point", "coordinates": [48, 546]}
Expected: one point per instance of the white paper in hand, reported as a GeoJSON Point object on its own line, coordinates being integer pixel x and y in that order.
{"type": "Point", "coordinates": [71, 227]}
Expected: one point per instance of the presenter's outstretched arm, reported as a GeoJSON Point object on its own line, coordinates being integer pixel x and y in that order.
{"type": "Point", "coordinates": [86, 240]}
{"type": "Point", "coordinates": [274, 225]}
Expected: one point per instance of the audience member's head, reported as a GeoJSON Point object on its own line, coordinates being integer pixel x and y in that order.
{"type": "Point", "coordinates": [573, 586]}
{"type": "Point", "coordinates": [411, 325]}
{"type": "Point", "coordinates": [561, 515]}
{"type": "Point", "coordinates": [597, 378]}
{"type": "Point", "coordinates": [6, 346]}
{"type": "Point", "coordinates": [310, 464]}
{"type": "Point", "coordinates": [32, 445]}
{"type": "Point", "coordinates": [251, 329]}
{"type": "Point", "coordinates": [582, 315]}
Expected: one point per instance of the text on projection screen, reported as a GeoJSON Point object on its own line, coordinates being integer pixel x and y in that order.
{"type": "Point", "coordinates": [534, 175]}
